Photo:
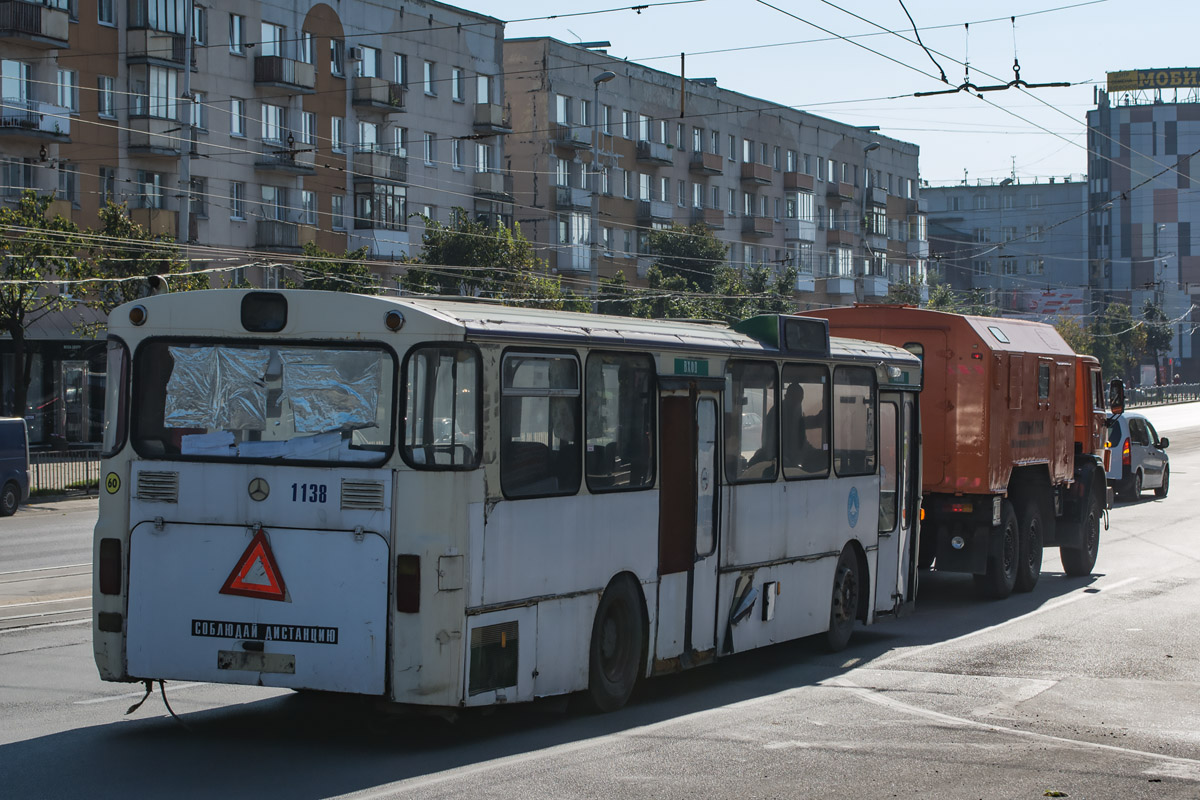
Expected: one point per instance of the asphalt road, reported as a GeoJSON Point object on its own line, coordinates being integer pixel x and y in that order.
{"type": "Point", "coordinates": [1085, 686]}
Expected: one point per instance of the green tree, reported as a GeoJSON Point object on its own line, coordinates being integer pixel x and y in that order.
{"type": "Point", "coordinates": [1118, 341]}
{"type": "Point", "coordinates": [942, 298]}
{"type": "Point", "coordinates": [33, 251]}
{"type": "Point", "coordinates": [470, 258]}
{"type": "Point", "coordinates": [1077, 336]}
{"type": "Point", "coordinates": [693, 253]}
{"type": "Point", "coordinates": [124, 259]}
{"type": "Point", "coordinates": [1158, 338]}
{"type": "Point", "coordinates": [321, 269]}
{"type": "Point", "coordinates": [907, 292]}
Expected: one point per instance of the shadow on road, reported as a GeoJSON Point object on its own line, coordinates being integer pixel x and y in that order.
{"type": "Point", "coordinates": [315, 746]}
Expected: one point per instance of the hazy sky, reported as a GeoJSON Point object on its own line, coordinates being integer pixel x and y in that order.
{"type": "Point", "coordinates": [773, 52]}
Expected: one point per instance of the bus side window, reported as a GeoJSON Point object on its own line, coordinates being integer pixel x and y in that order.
{"type": "Point", "coordinates": [751, 422]}
{"type": "Point", "coordinates": [805, 422]}
{"type": "Point", "coordinates": [441, 420]}
{"type": "Point", "coordinates": [539, 425]}
{"type": "Point", "coordinates": [854, 421]}
{"type": "Point", "coordinates": [619, 406]}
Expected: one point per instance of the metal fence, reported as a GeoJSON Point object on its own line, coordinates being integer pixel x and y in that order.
{"type": "Point", "coordinates": [1161, 395]}
{"type": "Point", "coordinates": [64, 470]}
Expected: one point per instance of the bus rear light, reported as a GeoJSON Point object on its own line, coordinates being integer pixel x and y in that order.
{"type": "Point", "coordinates": [960, 508]}
{"type": "Point", "coordinates": [408, 584]}
{"type": "Point", "coordinates": [1126, 455]}
{"type": "Point", "coordinates": [110, 566]}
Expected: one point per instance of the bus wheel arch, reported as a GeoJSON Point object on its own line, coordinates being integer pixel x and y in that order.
{"type": "Point", "coordinates": [618, 644]}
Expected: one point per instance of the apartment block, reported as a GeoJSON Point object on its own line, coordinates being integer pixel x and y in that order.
{"type": "Point", "coordinates": [279, 123]}
{"type": "Point", "coordinates": [1022, 242]}
{"type": "Point", "coordinates": [612, 147]}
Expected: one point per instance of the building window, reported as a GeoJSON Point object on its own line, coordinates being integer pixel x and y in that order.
{"type": "Point", "coordinates": [271, 43]}
{"type": "Point", "coordinates": [163, 94]}
{"type": "Point", "coordinates": [272, 123]}
{"type": "Point", "coordinates": [1008, 265]}
{"type": "Point", "coordinates": [456, 154]}
{"type": "Point", "coordinates": [105, 105]}
{"type": "Point", "coordinates": [199, 197]}
{"type": "Point", "coordinates": [562, 109]}
{"type": "Point", "coordinates": [430, 149]}
{"type": "Point", "coordinates": [732, 147]}
{"type": "Point", "coordinates": [304, 48]}
{"type": "Point", "coordinates": [68, 89]}
{"type": "Point", "coordinates": [381, 206]}
{"type": "Point", "coordinates": [237, 117]}
{"type": "Point", "coordinates": [626, 124]}
{"type": "Point", "coordinates": [199, 111]}
{"type": "Point", "coordinates": [308, 207]}
{"type": "Point", "coordinates": [1035, 201]}
{"type": "Point", "coordinates": [400, 141]}
{"type": "Point", "coordinates": [697, 195]}
{"type": "Point", "coordinates": [368, 137]}
{"type": "Point", "coordinates": [108, 185]}
{"type": "Point", "coordinates": [367, 65]}
{"type": "Point", "coordinates": [338, 214]}
{"type": "Point", "coordinates": [237, 200]}
{"type": "Point", "coordinates": [456, 84]}
{"type": "Point", "coordinates": [308, 128]}
{"type": "Point", "coordinates": [681, 194]}
{"type": "Point", "coordinates": [337, 134]}
{"type": "Point", "coordinates": [643, 128]}
{"type": "Point", "coordinates": [150, 189]}
{"type": "Point", "coordinates": [237, 26]}
{"type": "Point", "coordinates": [68, 182]}
{"type": "Point", "coordinates": [400, 68]}
{"type": "Point", "coordinates": [429, 80]}
{"type": "Point", "coordinates": [200, 25]}
{"type": "Point", "coordinates": [337, 57]}
{"type": "Point", "coordinates": [983, 235]}
{"type": "Point", "coordinates": [483, 157]}
{"type": "Point", "coordinates": [106, 12]}
{"type": "Point", "coordinates": [483, 89]}
{"type": "Point", "coordinates": [715, 143]}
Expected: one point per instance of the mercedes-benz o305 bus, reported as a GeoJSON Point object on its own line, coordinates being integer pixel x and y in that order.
{"type": "Point", "coordinates": [456, 504]}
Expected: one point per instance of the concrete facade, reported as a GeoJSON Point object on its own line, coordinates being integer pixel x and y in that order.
{"type": "Point", "coordinates": [1023, 243]}
{"type": "Point", "coordinates": [1143, 224]}
{"type": "Point", "coordinates": [778, 186]}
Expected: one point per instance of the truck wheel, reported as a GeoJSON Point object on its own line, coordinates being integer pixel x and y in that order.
{"type": "Point", "coordinates": [10, 498]}
{"type": "Point", "coordinates": [1078, 561]}
{"type": "Point", "coordinates": [1029, 551]}
{"type": "Point", "coordinates": [614, 662]}
{"type": "Point", "coordinates": [1161, 491]}
{"type": "Point", "coordinates": [997, 583]}
{"type": "Point", "coordinates": [844, 610]}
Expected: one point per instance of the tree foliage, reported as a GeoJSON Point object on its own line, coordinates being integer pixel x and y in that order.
{"type": "Point", "coordinates": [1118, 341]}
{"type": "Point", "coordinates": [1158, 336]}
{"type": "Point", "coordinates": [693, 253]}
{"type": "Point", "coordinates": [322, 270]}
{"type": "Point", "coordinates": [33, 249]}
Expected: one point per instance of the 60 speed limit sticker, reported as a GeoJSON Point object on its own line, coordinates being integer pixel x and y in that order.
{"type": "Point", "coordinates": [112, 482]}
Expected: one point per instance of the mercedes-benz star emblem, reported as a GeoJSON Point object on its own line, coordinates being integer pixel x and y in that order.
{"type": "Point", "coordinates": [259, 489]}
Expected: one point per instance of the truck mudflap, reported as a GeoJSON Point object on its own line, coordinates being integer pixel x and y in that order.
{"type": "Point", "coordinates": [294, 608]}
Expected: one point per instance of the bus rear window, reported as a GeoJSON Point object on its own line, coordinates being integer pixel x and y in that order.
{"type": "Point", "coordinates": [251, 401]}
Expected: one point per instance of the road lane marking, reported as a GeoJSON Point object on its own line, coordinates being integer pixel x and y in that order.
{"type": "Point", "coordinates": [1073, 598]}
{"type": "Point", "coordinates": [46, 625]}
{"type": "Point", "coordinates": [43, 602]}
{"type": "Point", "coordinates": [44, 569]}
{"type": "Point", "coordinates": [1187, 767]}
{"type": "Point", "coordinates": [134, 695]}
{"type": "Point", "coordinates": [47, 614]}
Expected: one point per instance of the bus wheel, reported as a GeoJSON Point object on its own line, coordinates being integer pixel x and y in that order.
{"type": "Point", "coordinates": [1029, 550]}
{"type": "Point", "coordinates": [997, 583]}
{"type": "Point", "coordinates": [10, 497]}
{"type": "Point", "coordinates": [844, 610]}
{"type": "Point", "coordinates": [1078, 561]}
{"type": "Point", "coordinates": [616, 651]}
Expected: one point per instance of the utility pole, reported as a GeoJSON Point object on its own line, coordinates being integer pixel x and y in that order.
{"type": "Point", "coordinates": [593, 222]}
{"type": "Point", "coordinates": [185, 160]}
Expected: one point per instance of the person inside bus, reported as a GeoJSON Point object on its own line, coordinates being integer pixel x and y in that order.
{"type": "Point", "coordinates": [798, 450]}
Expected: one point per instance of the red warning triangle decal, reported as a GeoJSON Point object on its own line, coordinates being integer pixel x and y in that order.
{"type": "Point", "coordinates": [256, 573]}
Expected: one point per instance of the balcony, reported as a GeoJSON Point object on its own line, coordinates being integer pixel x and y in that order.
{"type": "Point", "coordinates": [489, 118]}
{"type": "Point", "coordinates": [655, 153]}
{"type": "Point", "coordinates": [706, 164]}
{"type": "Point", "coordinates": [491, 185]}
{"type": "Point", "coordinates": [156, 221]}
{"type": "Point", "coordinates": [377, 93]}
{"type": "Point", "coordinates": [567, 198]}
{"type": "Point", "coordinates": [873, 286]}
{"type": "Point", "coordinates": [839, 236]}
{"type": "Point", "coordinates": [802, 230]}
{"type": "Point", "coordinates": [143, 46]}
{"type": "Point", "coordinates": [840, 191]}
{"type": "Point", "coordinates": [33, 119]}
{"type": "Point", "coordinates": [651, 211]}
{"type": "Point", "coordinates": [756, 173]}
{"type": "Point", "coordinates": [758, 226]}
{"type": "Point", "coordinates": [834, 285]}
{"type": "Point", "coordinates": [275, 234]}
{"type": "Point", "coordinates": [877, 196]}
{"type": "Point", "coordinates": [574, 137]}
{"type": "Point", "coordinates": [797, 181]}
{"type": "Point", "coordinates": [373, 166]}
{"type": "Point", "coordinates": [282, 157]}
{"type": "Point", "coordinates": [918, 248]}
{"type": "Point", "coordinates": [711, 217]}
{"type": "Point", "coordinates": [156, 136]}
{"type": "Point", "coordinates": [34, 25]}
{"type": "Point", "coordinates": [285, 73]}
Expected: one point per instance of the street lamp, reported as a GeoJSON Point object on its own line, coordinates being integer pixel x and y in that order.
{"type": "Point", "coordinates": [867, 257]}
{"type": "Point", "coordinates": [603, 77]}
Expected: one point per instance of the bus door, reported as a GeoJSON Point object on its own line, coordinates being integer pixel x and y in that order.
{"type": "Point", "coordinates": [688, 523]}
{"type": "Point", "coordinates": [898, 488]}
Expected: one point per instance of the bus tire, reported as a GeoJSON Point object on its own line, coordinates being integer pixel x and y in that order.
{"type": "Point", "coordinates": [1029, 551]}
{"type": "Point", "coordinates": [1078, 561]}
{"type": "Point", "coordinates": [1001, 576]}
{"type": "Point", "coordinates": [10, 498]}
{"type": "Point", "coordinates": [844, 609]}
{"type": "Point", "coordinates": [618, 633]}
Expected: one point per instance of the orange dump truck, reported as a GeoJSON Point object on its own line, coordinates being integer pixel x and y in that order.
{"type": "Point", "coordinates": [1013, 441]}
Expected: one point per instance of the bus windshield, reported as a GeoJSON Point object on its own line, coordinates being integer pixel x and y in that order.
{"type": "Point", "coordinates": [234, 400]}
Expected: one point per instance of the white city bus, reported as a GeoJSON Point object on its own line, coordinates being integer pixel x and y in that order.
{"type": "Point", "coordinates": [457, 504]}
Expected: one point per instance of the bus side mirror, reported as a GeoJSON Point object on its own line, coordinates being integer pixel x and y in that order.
{"type": "Point", "coordinates": [1116, 395]}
